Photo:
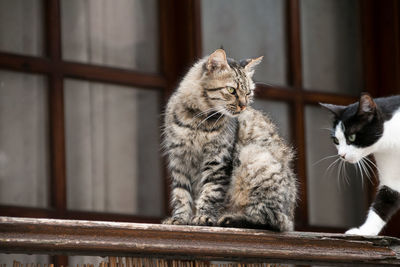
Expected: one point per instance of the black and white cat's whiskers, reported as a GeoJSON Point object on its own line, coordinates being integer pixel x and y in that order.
{"type": "Point", "coordinates": [371, 127]}
{"type": "Point", "coordinates": [333, 163]}
{"type": "Point", "coordinates": [329, 169]}
{"type": "Point", "coordinates": [342, 167]}
{"type": "Point", "coordinates": [361, 170]}
{"type": "Point", "coordinates": [369, 171]}
{"type": "Point", "coordinates": [341, 170]}
{"type": "Point", "coordinates": [363, 167]}
{"type": "Point", "coordinates": [324, 158]}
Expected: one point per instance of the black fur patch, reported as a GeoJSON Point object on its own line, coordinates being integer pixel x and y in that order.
{"type": "Point", "coordinates": [367, 127]}
{"type": "Point", "coordinates": [388, 106]}
{"type": "Point", "coordinates": [367, 132]}
{"type": "Point", "coordinates": [386, 203]}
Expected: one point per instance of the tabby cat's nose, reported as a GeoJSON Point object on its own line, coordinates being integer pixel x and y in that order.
{"type": "Point", "coordinates": [240, 108]}
{"type": "Point", "coordinates": [242, 105]}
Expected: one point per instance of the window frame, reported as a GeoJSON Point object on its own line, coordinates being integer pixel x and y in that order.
{"type": "Point", "coordinates": [180, 45]}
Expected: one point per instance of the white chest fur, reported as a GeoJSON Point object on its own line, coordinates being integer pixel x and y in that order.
{"type": "Point", "coordinates": [387, 153]}
{"type": "Point", "coordinates": [391, 134]}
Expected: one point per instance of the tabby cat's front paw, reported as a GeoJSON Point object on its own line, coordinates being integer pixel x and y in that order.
{"type": "Point", "coordinates": [203, 220]}
{"type": "Point", "coordinates": [175, 220]}
{"type": "Point", "coordinates": [230, 220]}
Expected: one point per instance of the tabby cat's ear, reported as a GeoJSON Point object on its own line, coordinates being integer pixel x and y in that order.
{"type": "Point", "coordinates": [337, 110]}
{"type": "Point", "coordinates": [249, 64]}
{"type": "Point", "coordinates": [217, 61]}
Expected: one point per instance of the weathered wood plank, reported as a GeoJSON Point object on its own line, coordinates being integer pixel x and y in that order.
{"type": "Point", "coordinates": [70, 237]}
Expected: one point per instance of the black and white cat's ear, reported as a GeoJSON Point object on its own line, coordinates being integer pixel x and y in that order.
{"type": "Point", "coordinates": [249, 64]}
{"type": "Point", "coordinates": [366, 105]}
{"type": "Point", "coordinates": [337, 110]}
{"type": "Point", "coordinates": [217, 61]}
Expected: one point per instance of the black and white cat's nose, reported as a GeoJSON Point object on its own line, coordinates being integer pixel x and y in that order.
{"type": "Point", "coordinates": [343, 155]}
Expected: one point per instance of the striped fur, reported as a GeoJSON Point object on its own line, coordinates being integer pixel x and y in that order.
{"type": "Point", "coordinates": [228, 165]}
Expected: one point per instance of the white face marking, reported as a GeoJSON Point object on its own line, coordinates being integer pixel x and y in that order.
{"type": "Point", "coordinates": [348, 152]}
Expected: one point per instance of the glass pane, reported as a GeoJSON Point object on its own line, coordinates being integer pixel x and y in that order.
{"type": "Point", "coordinates": [113, 159]}
{"type": "Point", "coordinates": [24, 260]}
{"type": "Point", "coordinates": [24, 156]}
{"type": "Point", "coordinates": [86, 260]}
{"type": "Point", "coordinates": [278, 112]}
{"type": "Point", "coordinates": [334, 199]}
{"type": "Point", "coordinates": [114, 33]}
{"type": "Point", "coordinates": [331, 45]}
{"type": "Point", "coordinates": [21, 26]}
{"type": "Point", "coordinates": [247, 29]}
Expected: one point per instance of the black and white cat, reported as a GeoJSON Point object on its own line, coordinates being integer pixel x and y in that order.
{"type": "Point", "coordinates": [372, 126]}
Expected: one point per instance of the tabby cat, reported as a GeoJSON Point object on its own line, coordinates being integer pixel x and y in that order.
{"type": "Point", "coordinates": [228, 165]}
{"type": "Point", "coordinates": [372, 127]}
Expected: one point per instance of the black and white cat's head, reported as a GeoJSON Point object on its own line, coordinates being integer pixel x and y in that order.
{"type": "Point", "coordinates": [356, 128]}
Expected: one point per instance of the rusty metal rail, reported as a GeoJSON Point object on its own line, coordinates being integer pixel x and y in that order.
{"type": "Point", "coordinates": [70, 237]}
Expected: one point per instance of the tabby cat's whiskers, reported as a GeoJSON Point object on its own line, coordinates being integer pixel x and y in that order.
{"type": "Point", "coordinates": [214, 162]}
{"type": "Point", "coordinates": [203, 113]}
{"type": "Point", "coordinates": [212, 114]}
{"type": "Point", "coordinates": [220, 116]}
{"type": "Point", "coordinates": [263, 83]}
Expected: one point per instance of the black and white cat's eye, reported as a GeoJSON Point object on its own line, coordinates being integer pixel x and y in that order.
{"type": "Point", "coordinates": [352, 137]}
{"type": "Point", "coordinates": [335, 140]}
{"type": "Point", "coordinates": [230, 89]}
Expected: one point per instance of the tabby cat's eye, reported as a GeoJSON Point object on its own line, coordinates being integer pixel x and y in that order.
{"type": "Point", "coordinates": [335, 140]}
{"type": "Point", "coordinates": [231, 90]}
{"type": "Point", "coordinates": [352, 137]}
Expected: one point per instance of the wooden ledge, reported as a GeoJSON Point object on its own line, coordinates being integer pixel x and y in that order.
{"type": "Point", "coordinates": [72, 237]}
